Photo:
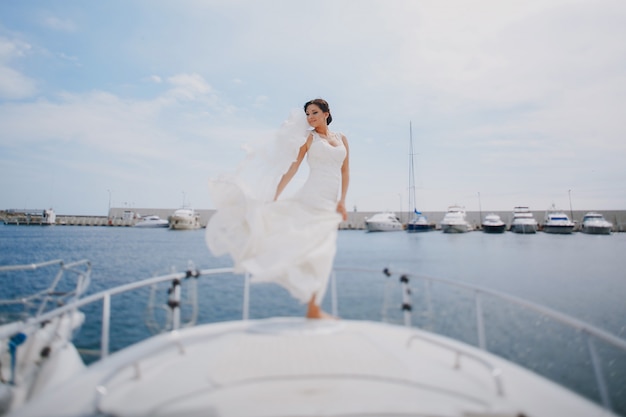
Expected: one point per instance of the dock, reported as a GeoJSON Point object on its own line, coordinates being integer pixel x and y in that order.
{"type": "Point", "coordinates": [124, 217]}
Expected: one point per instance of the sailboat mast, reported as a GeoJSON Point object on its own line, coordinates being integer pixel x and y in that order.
{"type": "Point", "coordinates": [412, 202]}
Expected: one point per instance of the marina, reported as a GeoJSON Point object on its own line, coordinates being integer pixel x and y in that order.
{"type": "Point", "coordinates": [124, 217]}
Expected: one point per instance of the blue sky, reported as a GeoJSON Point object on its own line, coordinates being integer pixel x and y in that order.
{"type": "Point", "coordinates": [520, 102]}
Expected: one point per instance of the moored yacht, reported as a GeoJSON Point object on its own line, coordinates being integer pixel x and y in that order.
{"type": "Point", "coordinates": [152, 221]}
{"type": "Point", "coordinates": [595, 224]}
{"type": "Point", "coordinates": [493, 224]}
{"type": "Point", "coordinates": [557, 222]}
{"type": "Point", "coordinates": [523, 221]}
{"type": "Point", "coordinates": [383, 222]}
{"type": "Point", "coordinates": [454, 221]}
{"type": "Point", "coordinates": [184, 219]}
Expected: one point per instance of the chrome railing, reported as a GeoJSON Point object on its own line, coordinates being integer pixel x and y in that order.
{"type": "Point", "coordinates": [36, 303]}
{"type": "Point", "coordinates": [589, 332]}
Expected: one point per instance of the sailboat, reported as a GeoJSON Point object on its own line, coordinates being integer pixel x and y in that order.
{"type": "Point", "coordinates": [419, 222]}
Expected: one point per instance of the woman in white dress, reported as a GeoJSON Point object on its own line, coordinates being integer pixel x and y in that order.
{"type": "Point", "coordinates": [289, 241]}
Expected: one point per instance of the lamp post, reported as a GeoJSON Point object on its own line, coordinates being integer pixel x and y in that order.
{"type": "Point", "coordinates": [109, 212]}
{"type": "Point", "coordinates": [480, 211]}
{"type": "Point", "coordinates": [571, 212]}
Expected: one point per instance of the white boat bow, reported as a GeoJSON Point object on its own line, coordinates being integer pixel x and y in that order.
{"type": "Point", "coordinates": [297, 367]}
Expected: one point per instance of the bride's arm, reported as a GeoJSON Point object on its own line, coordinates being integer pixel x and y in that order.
{"type": "Point", "coordinates": [345, 180]}
{"type": "Point", "coordinates": [293, 168]}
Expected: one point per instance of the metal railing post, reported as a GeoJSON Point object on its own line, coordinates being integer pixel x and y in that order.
{"type": "Point", "coordinates": [245, 315]}
{"type": "Point", "coordinates": [175, 305]}
{"type": "Point", "coordinates": [597, 369]}
{"type": "Point", "coordinates": [106, 324]}
{"type": "Point", "coordinates": [333, 294]}
{"type": "Point", "coordinates": [480, 322]}
{"type": "Point", "coordinates": [406, 300]}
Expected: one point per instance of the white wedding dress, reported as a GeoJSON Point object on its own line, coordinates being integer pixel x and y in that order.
{"type": "Point", "coordinates": [290, 241]}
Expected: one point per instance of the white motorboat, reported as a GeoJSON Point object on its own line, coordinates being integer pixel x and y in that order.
{"type": "Point", "coordinates": [595, 224]}
{"type": "Point", "coordinates": [297, 367]}
{"type": "Point", "coordinates": [184, 219]}
{"type": "Point", "coordinates": [557, 222]}
{"type": "Point", "coordinates": [152, 221]}
{"type": "Point", "coordinates": [493, 224]}
{"type": "Point", "coordinates": [454, 221]}
{"type": "Point", "coordinates": [523, 221]}
{"type": "Point", "coordinates": [37, 357]}
{"type": "Point", "coordinates": [383, 222]}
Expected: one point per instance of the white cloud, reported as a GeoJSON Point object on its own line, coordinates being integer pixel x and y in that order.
{"type": "Point", "coordinates": [60, 24]}
{"type": "Point", "coordinates": [155, 128]}
{"type": "Point", "coordinates": [507, 95]}
{"type": "Point", "coordinates": [14, 84]}
{"type": "Point", "coordinates": [189, 86]}
{"type": "Point", "coordinates": [261, 101]}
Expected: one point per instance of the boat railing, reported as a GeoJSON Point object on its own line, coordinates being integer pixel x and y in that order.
{"type": "Point", "coordinates": [176, 279]}
{"type": "Point", "coordinates": [69, 283]}
{"type": "Point", "coordinates": [589, 332]}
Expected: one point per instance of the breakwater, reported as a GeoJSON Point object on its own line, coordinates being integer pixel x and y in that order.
{"type": "Point", "coordinates": [124, 217]}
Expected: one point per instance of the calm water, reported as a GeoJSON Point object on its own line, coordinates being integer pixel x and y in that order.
{"type": "Point", "coordinates": [580, 275]}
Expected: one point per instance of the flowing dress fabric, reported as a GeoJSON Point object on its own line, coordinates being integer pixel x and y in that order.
{"type": "Point", "coordinates": [291, 241]}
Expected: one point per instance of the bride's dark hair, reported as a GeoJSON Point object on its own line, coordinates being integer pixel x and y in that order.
{"type": "Point", "coordinates": [323, 105]}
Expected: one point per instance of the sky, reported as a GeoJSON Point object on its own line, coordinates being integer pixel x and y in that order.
{"type": "Point", "coordinates": [138, 103]}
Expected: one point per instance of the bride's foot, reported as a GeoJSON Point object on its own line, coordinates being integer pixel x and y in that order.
{"type": "Point", "coordinates": [315, 312]}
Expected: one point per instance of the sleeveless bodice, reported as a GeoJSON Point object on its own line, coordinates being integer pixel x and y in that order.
{"type": "Point", "coordinates": [322, 186]}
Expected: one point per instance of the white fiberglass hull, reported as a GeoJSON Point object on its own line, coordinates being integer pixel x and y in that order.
{"type": "Point", "coordinates": [291, 366]}
{"type": "Point", "coordinates": [558, 229]}
{"type": "Point", "coordinates": [494, 228]}
{"type": "Point", "coordinates": [153, 224]}
{"type": "Point", "coordinates": [383, 227]}
{"type": "Point", "coordinates": [596, 230]}
{"type": "Point", "coordinates": [524, 228]}
{"type": "Point", "coordinates": [455, 228]}
{"type": "Point", "coordinates": [184, 226]}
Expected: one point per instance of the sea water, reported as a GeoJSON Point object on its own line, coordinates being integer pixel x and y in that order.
{"type": "Point", "coordinates": [580, 275]}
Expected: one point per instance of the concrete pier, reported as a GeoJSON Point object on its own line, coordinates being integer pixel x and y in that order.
{"type": "Point", "coordinates": [125, 217]}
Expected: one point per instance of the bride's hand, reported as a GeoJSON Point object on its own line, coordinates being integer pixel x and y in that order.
{"type": "Point", "coordinates": [341, 209]}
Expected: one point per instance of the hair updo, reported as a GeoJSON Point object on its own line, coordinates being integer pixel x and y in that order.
{"type": "Point", "coordinates": [323, 105]}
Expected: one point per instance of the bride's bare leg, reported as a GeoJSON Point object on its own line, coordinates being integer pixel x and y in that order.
{"type": "Point", "coordinates": [315, 312]}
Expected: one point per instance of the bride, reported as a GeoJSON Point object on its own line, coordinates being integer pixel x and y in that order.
{"type": "Point", "coordinates": [289, 241]}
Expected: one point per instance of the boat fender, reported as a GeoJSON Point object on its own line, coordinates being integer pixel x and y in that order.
{"type": "Point", "coordinates": [192, 273]}
{"type": "Point", "coordinates": [406, 304]}
{"type": "Point", "coordinates": [171, 301]}
{"type": "Point", "coordinates": [45, 352]}
{"type": "Point", "coordinates": [14, 342]}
